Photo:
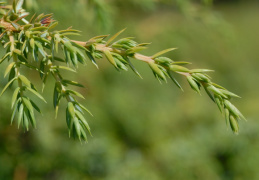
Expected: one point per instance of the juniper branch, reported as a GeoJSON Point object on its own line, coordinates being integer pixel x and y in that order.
{"type": "Point", "coordinates": [34, 41]}
{"type": "Point", "coordinates": [162, 68]}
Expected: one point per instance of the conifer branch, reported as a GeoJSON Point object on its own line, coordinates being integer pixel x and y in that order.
{"type": "Point", "coordinates": [34, 41]}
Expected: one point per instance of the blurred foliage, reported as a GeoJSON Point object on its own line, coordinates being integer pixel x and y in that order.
{"type": "Point", "coordinates": [138, 134]}
{"type": "Point", "coordinates": [103, 13]}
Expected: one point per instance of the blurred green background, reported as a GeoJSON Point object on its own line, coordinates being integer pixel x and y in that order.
{"type": "Point", "coordinates": [143, 130]}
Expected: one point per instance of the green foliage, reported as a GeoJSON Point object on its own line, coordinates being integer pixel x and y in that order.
{"type": "Point", "coordinates": [35, 43]}
{"type": "Point", "coordinates": [103, 13]}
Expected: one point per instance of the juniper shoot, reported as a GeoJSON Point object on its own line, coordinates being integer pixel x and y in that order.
{"type": "Point", "coordinates": [33, 43]}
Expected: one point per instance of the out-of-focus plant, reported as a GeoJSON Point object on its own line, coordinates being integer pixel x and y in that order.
{"type": "Point", "coordinates": [102, 9]}
{"type": "Point", "coordinates": [33, 43]}
{"type": "Point", "coordinates": [103, 12]}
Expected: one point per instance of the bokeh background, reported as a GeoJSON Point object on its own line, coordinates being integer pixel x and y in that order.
{"type": "Point", "coordinates": [143, 130]}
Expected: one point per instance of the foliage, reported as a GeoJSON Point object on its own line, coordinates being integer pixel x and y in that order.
{"type": "Point", "coordinates": [103, 13]}
{"type": "Point", "coordinates": [34, 43]}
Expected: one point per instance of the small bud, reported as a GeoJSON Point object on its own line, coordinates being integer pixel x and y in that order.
{"type": "Point", "coordinates": [233, 109]}
{"type": "Point", "coordinates": [218, 101]}
{"type": "Point", "coordinates": [163, 60]}
{"type": "Point", "coordinates": [26, 27]}
{"type": "Point", "coordinates": [69, 46]}
{"type": "Point", "coordinates": [227, 116]}
{"type": "Point", "coordinates": [110, 57]}
{"type": "Point", "coordinates": [177, 68]}
{"type": "Point", "coordinates": [201, 77]}
{"type": "Point", "coordinates": [194, 85]}
{"type": "Point", "coordinates": [135, 49]}
{"type": "Point", "coordinates": [156, 70]}
{"type": "Point", "coordinates": [120, 64]}
{"type": "Point", "coordinates": [41, 28]}
{"type": "Point", "coordinates": [233, 124]}
{"type": "Point", "coordinates": [28, 34]}
{"type": "Point", "coordinates": [37, 24]}
{"type": "Point", "coordinates": [71, 109]}
{"type": "Point", "coordinates": [216, 91]}
{"type": "Point", "coordinates": [32, 44]}
{"type": "Point", "coordinates": [17, 51]}
{"type": "Point", "coordinates": [228, 93]}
